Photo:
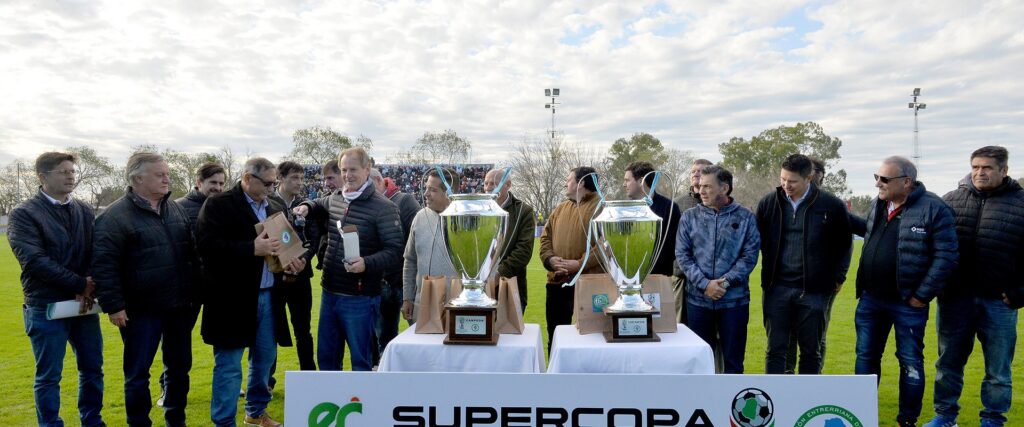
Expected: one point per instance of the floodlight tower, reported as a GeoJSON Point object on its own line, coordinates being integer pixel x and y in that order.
{"type": "Point", "coordinates": [553, 94]}
{"type": "Point", "coordinates": [916, 106]}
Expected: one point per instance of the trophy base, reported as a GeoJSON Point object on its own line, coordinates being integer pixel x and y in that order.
{"type": "Point", "coordinates": [631, 326]}
{"type": "Point", "coordinates": [470, 325]}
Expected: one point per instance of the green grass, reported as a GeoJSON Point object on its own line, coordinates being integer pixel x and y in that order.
{"type": "Point", "coordinates": [17, 364]}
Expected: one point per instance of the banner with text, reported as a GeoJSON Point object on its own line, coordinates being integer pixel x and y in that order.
{"type": "Point", "coordinates": [371, 399]}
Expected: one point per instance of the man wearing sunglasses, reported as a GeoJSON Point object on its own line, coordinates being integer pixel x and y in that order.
{"type": "Point", "coordinates": [910, 250]}
{"type": "Point", "coordinates": [244, 303]}
{"type": "Point", "coordinates": [986, 290]}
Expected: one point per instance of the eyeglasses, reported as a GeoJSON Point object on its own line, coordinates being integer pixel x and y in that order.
{"type": "Point", "coordinates": [268, 184]}
{"type": "Point", "coordinates": [886, 179]}
{"type": "Point", "coordinates": [66, 172]}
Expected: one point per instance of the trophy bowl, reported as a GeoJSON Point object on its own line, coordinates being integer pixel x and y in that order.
{"type": "Point", "coordinates": [628, 237]}
{"type": "Point", "coordinates": [473, 226]}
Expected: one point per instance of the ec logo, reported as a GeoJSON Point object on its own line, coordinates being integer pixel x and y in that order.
{"type": "Point", "coordinates": [328, 414]}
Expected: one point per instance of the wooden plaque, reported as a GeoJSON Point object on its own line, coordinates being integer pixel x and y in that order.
{"type": "Point", "coordinates": [631, 326]}
{"type": "Point", "coordinates": [471, 325]}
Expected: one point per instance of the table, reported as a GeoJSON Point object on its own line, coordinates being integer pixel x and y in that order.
{"type": "Point", "coordinates": [412, 352]}
{"type": "Point", "coordinates": [682, 352]}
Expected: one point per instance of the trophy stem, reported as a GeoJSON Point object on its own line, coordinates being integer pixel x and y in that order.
{"type": "Point", "coordinates": [630, 299]}
{"type": "Point", "coordinates": [473, 295]}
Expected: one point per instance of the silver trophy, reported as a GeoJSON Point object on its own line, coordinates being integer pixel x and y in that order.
{"type": "Point", "coordinates": [628, 236]}
{"type": "Point", "coordinates": [473, 228]}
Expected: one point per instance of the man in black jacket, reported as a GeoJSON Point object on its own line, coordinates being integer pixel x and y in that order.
{"type": "Point", "coordinates": [209, 180]}
{"type": "Point", "coordinates": [145, 264]}
{"type": "Point", "coordinates": [982, 297]}
{"type": "Point", "coordinates": [517, 249]}
{"type": "Point", "coordinates": [910, 250]}
{"type": "Point", "coordinates": [51, 236]}
{"type": "Point", "coordinates": [638, 179]}
{"type": "Point", "coordinates": [243, 301]}
{"type": "Point", "coordinates": [805, 240]}
{"type": "Point", "coordinates": [386, 328]}
{"type": "Point", "coordinates": [351, 282]}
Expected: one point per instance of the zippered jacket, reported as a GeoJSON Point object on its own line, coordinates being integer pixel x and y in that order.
{"type": "Point", "coordinates": [715, 244]}
{"type": "Point", "coordinates": [827, 237]}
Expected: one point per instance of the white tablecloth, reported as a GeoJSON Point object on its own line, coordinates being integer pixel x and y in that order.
{"type": "Point", "coordinates": [412, 352]}
{"type": "Point", "coordinates": [682, 352]}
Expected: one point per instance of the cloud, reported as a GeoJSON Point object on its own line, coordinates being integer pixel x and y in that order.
{"type": "Point", "coordinates": [201, 74]}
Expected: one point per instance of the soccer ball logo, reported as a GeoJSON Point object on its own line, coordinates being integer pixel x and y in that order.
{"type": "Point", "coordinates": [752, 408]}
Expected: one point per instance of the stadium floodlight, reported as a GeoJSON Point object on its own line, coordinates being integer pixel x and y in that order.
{"type": "Point", "coordinates": [552, 93]}
{"type": "Point", "coordinates": [916, 106]}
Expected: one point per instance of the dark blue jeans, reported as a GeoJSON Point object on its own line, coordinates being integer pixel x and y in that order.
{"type": "Point", "coordinates": [141, 336]}
{"type": "Point", "coordinates": [350, 319]}
{"type": "Point", "coordinates": [874, 319]}
{"type": "Point", "coordinates": [724, 328]}
{"type": "Point", "coordinates": [50, 340]}
{"type": "Point", "coordinates": [227, 370]}
{"type": "Point", "coordinates": [959, 320]}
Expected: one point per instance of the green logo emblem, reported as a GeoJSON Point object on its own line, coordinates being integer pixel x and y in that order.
{"type": "Point", "coordinates": [600, 301]}
{"type": "Point", "coordinates": [328, 414]}
{"type": "Point", "coordinates": [831, 416]}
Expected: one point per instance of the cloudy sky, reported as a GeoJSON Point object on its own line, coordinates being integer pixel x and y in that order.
{"type": "Point", "coordinates": [195, 75]}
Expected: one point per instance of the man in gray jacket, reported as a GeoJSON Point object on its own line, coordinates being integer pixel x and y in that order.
{"type": "Point", "coordinates": [425, 253]}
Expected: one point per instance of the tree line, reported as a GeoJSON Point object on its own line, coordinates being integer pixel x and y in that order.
{"type": "Point", "coordinates": [540, 164]}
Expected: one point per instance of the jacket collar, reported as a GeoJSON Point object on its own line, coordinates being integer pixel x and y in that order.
{"type": "Point", "coordinates": [732, 206]}
{"type": "Point", "coordinates": [143, 203]}
{"type": "Point", "coordinates": [195, 196]}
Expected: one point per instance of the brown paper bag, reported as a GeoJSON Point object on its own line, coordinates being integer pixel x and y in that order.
{"type": "Point", "coordinates": [593, 292]}
{"type": "Point", "coordinates": [657, 291]}
{"type": "Point", "coordinates": [278, 227]}
{"type": "Point", "coordinates": [509, 318]}
{"type": "Point", "coordinates": [429, 315]}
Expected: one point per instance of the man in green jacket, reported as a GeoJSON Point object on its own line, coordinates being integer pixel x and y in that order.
{"type": "Point", "coordinates": [517, 249]}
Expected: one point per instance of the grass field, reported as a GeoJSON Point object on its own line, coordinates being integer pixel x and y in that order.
{"type": "Point", "coordinates": [17, 365]}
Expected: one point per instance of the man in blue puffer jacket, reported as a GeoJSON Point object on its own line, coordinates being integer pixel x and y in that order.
{"type": "Point", "coordinates": [910, 250]}
{"type": "Point", "coordinates": [717, 247]}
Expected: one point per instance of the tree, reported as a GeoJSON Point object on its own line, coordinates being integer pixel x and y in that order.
{"type": "Point", "coordinates": [860, 205]}
{"type": "Point", "coordinates": [319, 144]}
{"type": "Point", "coordinates": [639, 147]}
{"type": "Point", "coordinates": [540, 167]}
{"type": "Point", "coordinates": [441, 147]}
{"type": "Point", "coordinates": [95, 173]}
{"type": "Point", "coordinates": [16, 181]}
{"type": "Point", "coordinates": [675, 181]}
{"type": "Point", "coordinates": [755, 163]}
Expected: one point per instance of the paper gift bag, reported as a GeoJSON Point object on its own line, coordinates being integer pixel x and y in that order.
{"type": "Point", "coordinates": [429, 314]}
{"type": "Point", "coordinates": [593, 292]}
{"type": "Point", "coordinates": [657, 291]}
{"type": "Point", "coordinates": [509, 318]}
{"type": "Point", "coordinates": [278, 227]}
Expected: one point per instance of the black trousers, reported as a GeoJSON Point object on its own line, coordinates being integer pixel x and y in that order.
{"type": "Point", "coordinates": [386, 328]}
{"type": "Point", "coordinates": [559, 308]}
{"type": "Point", "coordinates": [788, 310]}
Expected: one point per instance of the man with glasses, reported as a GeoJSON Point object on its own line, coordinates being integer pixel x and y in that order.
{"type": "Point", "coordinates": [145, 267]}
{"type": "Point", "coordinates": [910, 249]}
{"type": "Point", "coordinates": [351, 282]}
{"type": "Point", "coordinates": [51, 236]}
{"type": "Point", "coordinates": [243, 301]}
{"type": "Point", "coordinates": [985, 292]}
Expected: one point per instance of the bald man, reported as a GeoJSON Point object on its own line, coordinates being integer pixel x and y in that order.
{"type": "Point", "coordinates": [517, 249]}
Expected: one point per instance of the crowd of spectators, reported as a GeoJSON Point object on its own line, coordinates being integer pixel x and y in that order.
{"type": "Point", "coordinates": [409, 178]}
